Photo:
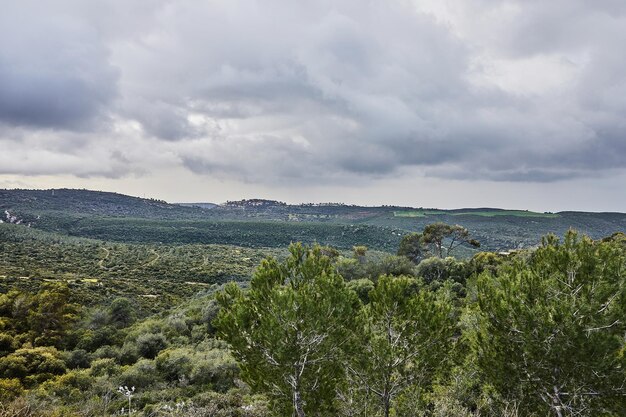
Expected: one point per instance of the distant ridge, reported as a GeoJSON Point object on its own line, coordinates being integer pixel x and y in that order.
{"type": "Point", "coordinates": [270, 223]}
{"type": "Point", "coordinates": [200, 205]}
{"type": "Point", "coordinates": [88, 202]}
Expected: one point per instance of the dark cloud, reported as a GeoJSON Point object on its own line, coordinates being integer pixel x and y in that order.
{"type": "Point", "coordinates": [54, 69]}
{"type": "Point", "coordinates": [325, 91]}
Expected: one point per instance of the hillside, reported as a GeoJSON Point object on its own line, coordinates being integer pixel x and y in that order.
{"type": "Point", "coordinates": [269, 223]}
{"type": "Point", "coordinates": [30, 203]}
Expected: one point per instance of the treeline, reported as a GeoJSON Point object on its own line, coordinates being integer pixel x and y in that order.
{"type": "Point", "coordinates": [539, 334]}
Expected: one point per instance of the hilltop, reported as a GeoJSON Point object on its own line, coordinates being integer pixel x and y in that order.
{"type": "Point", "coordinates": [269, 223]}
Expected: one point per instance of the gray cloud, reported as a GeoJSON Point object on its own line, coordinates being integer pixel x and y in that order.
{"type": "Point", "coordinates": [320, 92]}
{"type": "Point", "coordinates": [54, 69]}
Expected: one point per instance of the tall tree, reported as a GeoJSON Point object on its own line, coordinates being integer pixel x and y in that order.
{"type": "Point", "coordinates": [291, 330]}
{"type": "Point", "coordinates": [549, 331]}
{"type": "Point", "coordinates": [406, 338]}
{"type": "Point", "coordinates": [444, 238]}
{"type": "Point", "coordinates": [412, 247]}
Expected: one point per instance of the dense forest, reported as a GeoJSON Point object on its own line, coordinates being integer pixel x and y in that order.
{"type": "Point", "coordinates": [267, 223]}
{"type": "Point", "coordinates": [428, 324]}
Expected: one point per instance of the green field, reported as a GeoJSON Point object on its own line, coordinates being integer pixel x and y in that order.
{"type": "Point", "coordinates": [486, 213]}
{"type": "Point", "coordinates": [418, 213]}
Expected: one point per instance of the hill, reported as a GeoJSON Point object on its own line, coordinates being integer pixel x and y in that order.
{"type": "Point", "coordinates": [29, 203]}
{"type": "Point", "coordinates": [269, 223]}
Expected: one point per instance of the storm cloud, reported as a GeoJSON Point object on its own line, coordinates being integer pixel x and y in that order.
{"type": "Point", "coordinates": [278, 92]}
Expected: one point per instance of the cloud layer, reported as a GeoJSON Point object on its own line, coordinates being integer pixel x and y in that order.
{"type": "Point", "coordinates": [283, 92]}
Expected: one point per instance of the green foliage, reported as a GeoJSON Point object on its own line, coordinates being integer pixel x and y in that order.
{"type": "Point", "coordinates": [32, 365]}
{"type": "Point", "coordinates": [40, 319]}
{"type": "Point", "coordinates": [121, 312]}
{"type": "Point", "coordinates": [150, 344]}
{"type": "Point", "coordinates": [435, 269]}
{"type": "Point", "coordinates": [76, 359]}
{"type": "Point", "coordinates": [442, 239]}
{"type": "Point", "coordinates": [362, 287]}
{"type": "Point", "coordinates": [291, 329]}
{"type": "Point", "coordinates": [77, 316]}
{"type": "Point", "coordinates": [412, 247]}
{"type": "Point", "coordinates": [549, 330]}
{"type": "Point", "coordinates": [406, 341]}
{"type": "Point", "coordinates": [371, 268]}
{"type": "Point", "coordinates": [10, 388]}
{"type": "Point", "coordinates": [104, 367]}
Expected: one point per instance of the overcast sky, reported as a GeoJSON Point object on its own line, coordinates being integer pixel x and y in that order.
{"type": "Point", "coordinates": [438, 103]}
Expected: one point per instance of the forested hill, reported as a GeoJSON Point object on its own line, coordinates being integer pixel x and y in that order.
{"type": "Point", "coordinates": [85, 202]}
{"type": "Point", "coordinates": [269, 223]}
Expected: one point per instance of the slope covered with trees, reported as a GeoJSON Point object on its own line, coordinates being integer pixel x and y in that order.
{"type": "Point", "coordinates": [318, 332]}
{"type": "Point", "coordinates": [267, 223]}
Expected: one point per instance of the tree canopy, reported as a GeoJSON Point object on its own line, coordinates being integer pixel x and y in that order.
{"type": "Point", "coordinates": [291, 330]}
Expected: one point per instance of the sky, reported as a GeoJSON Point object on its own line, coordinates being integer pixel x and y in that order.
{"type": "Point", "coordinates": [424, 103]}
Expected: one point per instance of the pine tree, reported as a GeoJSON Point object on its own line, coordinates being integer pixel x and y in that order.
{"type": "Point", "coordinates": [550, 330]}
{"type": "Point", "coordinates": [292, 330]}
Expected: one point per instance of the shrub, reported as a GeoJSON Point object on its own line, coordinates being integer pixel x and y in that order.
{"type": "Point", "coordinates": [142, 374]}
{"type": "Point", "coordinates": [32, 365]}
{"type": "Point", "coordinates": [107, 351]}
{"type": "Point", "coordinates": [7, 344]}
{"type": "Point", "coordinates": [174, 364]}
{"type": "Point", "coordinates": [70, 385]}
{"type": "Point", "coordinates": [217, 368]}
{"type": "Point", "coordinates": [10, 388]}
{"type": "Point", "coordinates": [77, 359]}
{"type": "Point", "coordinates": [128, 354]}
{"type": "Point", "coordinates": [104, 367]}
{"type": "Point", "coordinates": [150, 344]}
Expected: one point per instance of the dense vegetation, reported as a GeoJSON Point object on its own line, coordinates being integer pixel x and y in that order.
{"type": "Point", "coordinates": [535, 333]}
{"type": "Point", "coordinates": [153, 276]}
{"type": "Point", "coordinates": [266, 223]}
{"type": "Point", "coordinates": [147, 326]}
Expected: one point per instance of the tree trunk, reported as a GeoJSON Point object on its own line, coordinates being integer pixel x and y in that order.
{"type": "Point", "coordinates": [386, 405]}
{"type": "Point", "coordinates": [298, 407]}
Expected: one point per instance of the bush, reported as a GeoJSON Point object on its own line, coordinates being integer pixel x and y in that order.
{"type": "Point", "coordinates": [391, 265]}
{"type": "Point", "coordinates": [209, 312]}
{"type": "Point", "coordinates": [77, 359]}
{"type": "Point", "coordinates": [141, 375]}
{"type": "Point", "coordinates": [121, 312]}
{"type": "Point", "coordinates": [107, 351]}
{"type": "Point", "coordinates": [70, 386]}
{"type": "Point", "coordinates": [128, 354]}
{"type": "Point", "coordinates": [217, 368]}
{"type": "Point", "coordinates": [150, 344]}
{"type": "Point", "coordinates": [177, 325]}
{"type": "Point", "coordinates": [437, 269]}
{"type": "Point", "coordinates": [7, 344]}
{"type": "Point", "coordinates": [10, 388]}
{"type": "Point", "coordinates": [174, 364]}
{"type": "Point", "coordinates": [104, 367]}
{"type": "Point", "coordinates": [32, 365]}
{"type": "Point", "coordinates": [362, 288]}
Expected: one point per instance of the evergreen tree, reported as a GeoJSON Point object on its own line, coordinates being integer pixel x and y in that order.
{"type": "Point", "coordinates": [291, 331]}
{"type": "Point", "coordinates": [406, 339]}
{"type": "Point", "coordinates": [549, 333]}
